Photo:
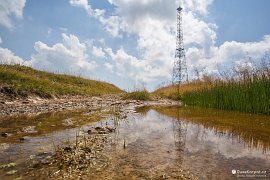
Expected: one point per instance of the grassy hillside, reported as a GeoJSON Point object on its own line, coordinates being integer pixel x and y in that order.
{"type": "Point", "coordinates": [16, 80]}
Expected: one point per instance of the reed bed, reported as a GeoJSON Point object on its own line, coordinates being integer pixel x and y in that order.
{"type": "Point", "coordinates": [245, 90]}
{"type": "Point", "coordinates": [248, 96]}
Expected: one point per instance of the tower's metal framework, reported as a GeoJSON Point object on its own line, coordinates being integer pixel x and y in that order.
{"type": "Point", "coordinates": [180, 75]}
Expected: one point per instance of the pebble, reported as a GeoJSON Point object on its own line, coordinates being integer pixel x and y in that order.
{"type": "Point", "coordinates": [5, 134]}
{"type": "Point", "coordinates": [29, 129]}
{"type": "Point", "coordinates": [68, 122]}
{"type": "Point", "coordinates": [3, 147]}
{"type": "Point", "coordinates": [110, 129]}
{"type": "Point", "coordinates": [24, 138]}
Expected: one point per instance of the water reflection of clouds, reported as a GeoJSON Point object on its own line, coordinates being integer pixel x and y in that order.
{"type": "Point", "coordinates": [239, 134]}
{"type": "Point", "coordinates": [151, 126]}
{"type": "Point", "coordinates": [197, 138]}
{"type": "Point", "coordinates": [200, 139]}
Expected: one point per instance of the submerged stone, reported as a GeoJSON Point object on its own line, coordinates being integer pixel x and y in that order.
{"type": "Point", "coordinates": [12, 172]}
{"type": "Point", "coordinates": [5, 134]}
{"type": "Point", "coordinates": [29, 129]}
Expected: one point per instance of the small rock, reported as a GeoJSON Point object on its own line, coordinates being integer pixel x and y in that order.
{"type": "Point", "coordinates": [99, 128]}
{"type": "Point", "coordinates": [102, 132]}
{"type": "Point", "coordinates": [12, 172]}
{"type": "Point", "coordinates": [67, 122]}
{"type": "Point", "coordinates": [5, 134]}
{"type": "Point", "coordinates": [3, 147]}
{"type": "Point", "coordinates": [68, 149]}
{"type": "Point", "coordinates": [24, 138]}
{"type": "Point", "coordinates": [32, 157]}
{"type": "Point", "coordinates": [116, 103]}
{"type": "Point", "coordinates": [44, 154]}
{"type": "Point", "coordinates": [45, 161]}
{"type": "Point", "coordinates": [164, 176]}
{"type": "Point", "coordinates": [8, 165]}
{"type": "Point", "coordinates": [29, 129]}
{"type": "Point", "coordinates": [97, 98]}
{"type": "Point", "coordinates": [110, 129]}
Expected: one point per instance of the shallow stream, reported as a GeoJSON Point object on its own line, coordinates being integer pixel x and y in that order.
{"type": "Point", "coordinates": [157, 142]}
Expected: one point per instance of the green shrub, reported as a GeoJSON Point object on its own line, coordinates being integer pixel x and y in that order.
{"type": "Point", "coordinates": [138, 95]}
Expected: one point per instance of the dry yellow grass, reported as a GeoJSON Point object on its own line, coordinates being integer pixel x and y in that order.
{"type": "Point", "coordinates": [172, 90]}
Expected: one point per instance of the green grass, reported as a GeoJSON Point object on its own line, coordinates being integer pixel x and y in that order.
{"type": "Point", "coordinates": [23, 81]}
{"type": "Point", "coordinates": [248, 96]}
{"type": "Point", "coordinates": [138, 95]}
{"type": "Point", "coordinates": [245, 91]}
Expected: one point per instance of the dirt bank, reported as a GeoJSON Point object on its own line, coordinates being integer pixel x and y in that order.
{"type": "Point", "coordinates": [37, 105]}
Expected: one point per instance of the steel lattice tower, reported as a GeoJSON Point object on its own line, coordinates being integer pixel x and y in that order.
{"type": "Point", "coordinates": [180, 75]}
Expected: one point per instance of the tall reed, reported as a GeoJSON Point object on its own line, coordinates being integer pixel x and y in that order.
{"type": "Point", "coordinates": [249, 94]}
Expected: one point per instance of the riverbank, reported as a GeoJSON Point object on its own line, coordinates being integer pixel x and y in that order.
{"type": "Point", "coordinates": [33, 105]}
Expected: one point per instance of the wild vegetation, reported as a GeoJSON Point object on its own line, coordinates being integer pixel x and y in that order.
{"type": "Point", "coordinates": [142, 95]}
{"type": "Point", "coordinates": [175, 93]}
{"type": "Point", "coordinates": [248, 96]}
{"type": "Point", "coordinates": [244, 90]}
{"type": "Point", "coordinates": [16, 80]}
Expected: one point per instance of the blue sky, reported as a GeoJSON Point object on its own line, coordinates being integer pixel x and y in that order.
{"type": "Point", "coordinates": [131, 43]}
{"type": "Point", "coordinates": [241, 20]}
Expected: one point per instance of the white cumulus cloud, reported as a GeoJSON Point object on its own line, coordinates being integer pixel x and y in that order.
{"type": "Point", "coordinates": [87, 7]}
{"type": "Point", "coordinates": [84, 4]}
{"type": "Point", "coordinates": [154, 24]}
{"type": "Point", "coordinates": [109, 67]}
{"type": "Point", "coordinates": [8, 57]}
{"type": "Point", "coordinates": [10, 9]}
{"type": "Point", "coordinates": [112, 24]}
{"type": "Point", "coordinates": [133, 68]}
{"type": "Point", "coordinates": [228, 55]}
{"type": "Point", "coordinates": [199, 6]}
{"type": "Point", "coordinates": [98, 52]}
{"type": "Point", "coordinates": [70, 56]}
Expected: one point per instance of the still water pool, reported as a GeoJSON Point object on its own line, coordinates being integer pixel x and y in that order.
{"type": "Point", "coordinates": [166, 142]}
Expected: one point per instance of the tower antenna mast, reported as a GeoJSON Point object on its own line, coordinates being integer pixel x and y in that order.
{"type": "Point", "coordinates": [180, 75]}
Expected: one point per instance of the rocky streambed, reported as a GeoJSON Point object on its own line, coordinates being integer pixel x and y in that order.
{"type": "Point", "coordinates": [34, 105]}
